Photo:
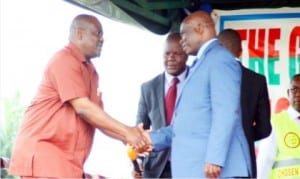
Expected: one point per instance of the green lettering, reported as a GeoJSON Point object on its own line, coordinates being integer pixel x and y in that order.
{"type": "Point", "coordinates": [257, 65]}
{"type": "Point", "coordinates": [274, 78]}
{"type": "Point", "coordinates": [294, 64]}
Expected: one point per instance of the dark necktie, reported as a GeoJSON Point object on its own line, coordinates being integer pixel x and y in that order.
{"type": "Point", "coordinates": [170, 100]}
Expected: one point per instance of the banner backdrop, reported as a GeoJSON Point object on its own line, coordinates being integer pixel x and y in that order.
{"type": "Point", "coordinates": [271, 45]}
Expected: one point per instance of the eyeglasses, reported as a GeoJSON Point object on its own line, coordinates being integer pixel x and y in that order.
{"type": "Point", "coordinates": [294, 90]}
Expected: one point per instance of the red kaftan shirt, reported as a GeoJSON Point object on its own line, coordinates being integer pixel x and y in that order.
{"type": "Point", "coordinates": [53, 140]}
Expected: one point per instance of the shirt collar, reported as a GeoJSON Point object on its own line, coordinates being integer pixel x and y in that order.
{"type": "Point", "coordinates": [292, 112]}
{"type": "Point", "coordinates": [75, 51]}
{"type": "Point", "coordinates": [181, 76]}
{"type": "Point", "coordinates": [204, 46]}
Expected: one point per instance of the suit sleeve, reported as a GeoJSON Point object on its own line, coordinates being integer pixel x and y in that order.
{"type": "Point", "coordinates": [142, 113]}
{"type": "Point", "coordinates": [225, 80]}
{"type": "Point", "coordinates": [262, 119]}
{"type": "Point", "coordinates": [162, 138]}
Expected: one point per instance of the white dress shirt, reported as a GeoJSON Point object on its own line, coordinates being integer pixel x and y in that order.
{"type": "Point", "coordinates": [268, 149]}
{"type": "Point", "coordinates": [168, 80]}
{"type": "Point", "coordinates": [200, 53]}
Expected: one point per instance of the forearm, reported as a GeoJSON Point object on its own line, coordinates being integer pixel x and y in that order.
{"type": "Point", "coordinates": [111, 134]}
{"type": "Point", "coordinates": [97, 117]}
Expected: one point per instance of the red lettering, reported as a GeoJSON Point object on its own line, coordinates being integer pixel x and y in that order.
{"type": "Point", "coordinates": [294, 51]}
{"type": "Point", "coordinates": [274, 34]}
{"type": "Point", "coordinates": [242, 33]}
{"type": "Point", "coordinates": [256, 44]}
{"type": "Point", "coordinates": [294, 41]}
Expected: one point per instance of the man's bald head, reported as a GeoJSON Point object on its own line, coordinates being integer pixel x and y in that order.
{"type": "Point", "coordinates": [196, 29]}
{"type": "Point", "coordinates": [199, 17]}
{"type": "Point", "coordinates": [83, 21]}
{"type": "Point", "coordinates": [87, 34]}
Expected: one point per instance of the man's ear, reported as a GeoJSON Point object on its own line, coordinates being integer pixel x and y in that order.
{"type": "Point", "coordinates": [198, 29]}
{"type": "Point", "coordinates": [79, 34]}
{"type": "Point", "coordinates": [240, 52]}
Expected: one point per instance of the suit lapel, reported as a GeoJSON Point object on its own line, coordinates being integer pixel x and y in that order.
{"type": "Point", "coordinates": [197, 63]}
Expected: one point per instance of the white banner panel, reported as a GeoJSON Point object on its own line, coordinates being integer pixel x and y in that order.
{"type": "Point", "coordinates": [271, 45]}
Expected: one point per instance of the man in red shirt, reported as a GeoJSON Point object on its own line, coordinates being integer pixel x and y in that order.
{"type": "Point", "coordinates": [57, 131]}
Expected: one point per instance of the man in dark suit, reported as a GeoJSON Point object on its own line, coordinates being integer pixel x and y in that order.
{"type": "Point", "coordinates": [254, 97]}
{"type": "Point", "coordinates": [152, 105]}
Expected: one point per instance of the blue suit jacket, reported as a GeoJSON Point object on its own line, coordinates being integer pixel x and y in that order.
{"type": "Point", "coordinates": [207, 126]}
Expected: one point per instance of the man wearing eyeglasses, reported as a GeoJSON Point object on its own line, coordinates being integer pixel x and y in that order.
{"type": "Point", "coordinates": [279, 154]}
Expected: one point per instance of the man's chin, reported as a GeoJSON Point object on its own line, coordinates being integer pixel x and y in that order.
{"type": "Point", "coordinates": [96, 55]}
{"type": "Point", "coordinates": [172, 71]}
{"type": "Point", "coordinates": [297, 106]}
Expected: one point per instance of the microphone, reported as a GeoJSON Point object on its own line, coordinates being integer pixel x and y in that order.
{"type": "Point", "coordinates": [133, 156]}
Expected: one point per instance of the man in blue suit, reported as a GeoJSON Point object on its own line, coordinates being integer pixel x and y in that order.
{"type": "Point", "coordinates": [206, 135]}
{"type": "Point", "coordinates": [151, 108]}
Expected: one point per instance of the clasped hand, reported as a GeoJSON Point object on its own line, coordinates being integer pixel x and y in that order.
{"type": "Point", "coordinates": [139, 140]}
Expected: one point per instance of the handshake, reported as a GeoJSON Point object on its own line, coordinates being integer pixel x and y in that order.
{"type": "Point", "coordinates": [139, 139]}
{"type": "Point", "coordinates": [141, 145]}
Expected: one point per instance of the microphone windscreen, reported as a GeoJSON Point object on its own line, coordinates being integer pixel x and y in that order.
{"type": "Point", "coordinates": [131, 154]}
